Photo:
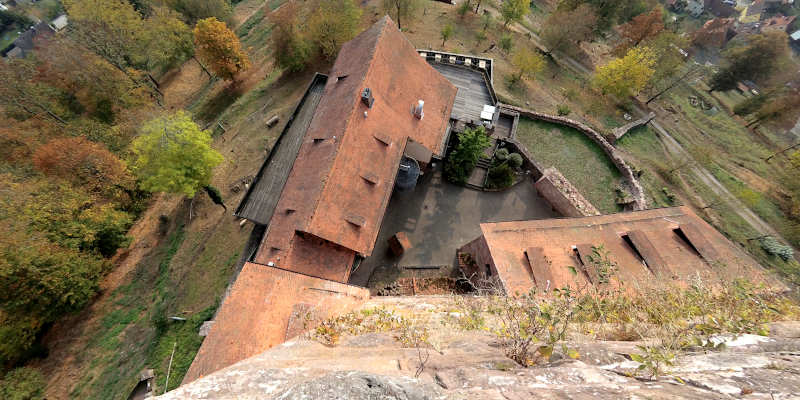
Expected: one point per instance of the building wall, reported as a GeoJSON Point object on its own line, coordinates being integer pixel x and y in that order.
{"type": "Point", "coordinates": [562, 196]}
{"type": "Point", "coordinates": [483, 271]}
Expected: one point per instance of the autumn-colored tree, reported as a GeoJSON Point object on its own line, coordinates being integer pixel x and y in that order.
{"type": "Point", "coordinates": [113, 29]}
{"type": "Point", "coordinates": [219, 48]}
{"type": "Point", "coordinates": [22, 94]}
{"type": "Point", "coordinates": [83, 163]}
{"type": "Point", "coordinates": [626, 76]}
{"type": "Point", "coordinates": [609, 13]}
{"type": "Point", "coordinates": [445, 34]}
{"type": "Point", "coordinates": [564, 29]}
{"type": "Point", "coordinates": [527, 62]}
{"type": "Point", "coordinates": [514, 10]}
{"type": "Point", "coordinates": [402, 10]}
{"type": "Point", "coordinates": [173, 155]}
{"type": "Point", "coordinates": [755, 60]}
{"type": "Point", "coordinates": [333, 23]}
{"type": "Point", "coordinates": [641, 28]}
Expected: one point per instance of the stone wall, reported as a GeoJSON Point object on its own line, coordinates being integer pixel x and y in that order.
{"type": "Point", "coordinates": [619, 132]}
{"type": "Point", "coordinates": [562, 196]}
{"type": "Point", "coordinates": [637, 192]}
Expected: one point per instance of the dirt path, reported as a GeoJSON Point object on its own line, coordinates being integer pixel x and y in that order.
{"type": "Point", "coordinates": [716, 186]}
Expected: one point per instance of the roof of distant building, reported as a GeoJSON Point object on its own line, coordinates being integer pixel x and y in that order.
{"type": "Point", "coordinates": [60, 22]}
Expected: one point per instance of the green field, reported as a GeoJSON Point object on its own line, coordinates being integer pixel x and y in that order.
{"type": "Point", "coordinates": [579, 159]}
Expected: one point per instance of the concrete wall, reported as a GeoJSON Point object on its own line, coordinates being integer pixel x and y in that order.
{"type": "Point", "coordinates": [639, 199]}
{"type": "Point", "coordinates": [562, 196]}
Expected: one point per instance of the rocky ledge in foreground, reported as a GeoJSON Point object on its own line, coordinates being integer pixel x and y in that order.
{"type": "Point", "coordinates": [469, 365]}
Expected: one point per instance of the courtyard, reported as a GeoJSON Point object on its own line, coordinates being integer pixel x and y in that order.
{"type": "Point", "coordinates": [438, 218]}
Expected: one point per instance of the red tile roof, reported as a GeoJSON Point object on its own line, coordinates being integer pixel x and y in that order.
{"type": "Point", "coordinates": [258, 314]}
{"type": "Point", "coordinates": [527, 254]}
{"type": "Point", "coordinates": [326, 194]}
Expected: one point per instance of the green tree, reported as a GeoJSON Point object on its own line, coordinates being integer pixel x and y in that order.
{"type": "Point", "coordinates": [291, 47]}
{"type": "Point", "coordinates": [333, 23]}
{"type": "Point", "coordinates": [173, 155]}
{"type": "Point", "coordinates": [755, 60]}
{"type": "Point", "coordinates": [402, 10]}
{"type": "Point", "coordinates": [471, 144]}
{"type": "Point", "coordinates": [446, 33]}
{"type": "Point", "coordinates": [514, 10]}
{"type": "Point", "coordinates": [527, 62]}
{"type": "Point", "coordinates": [195, 10]}
{"type": "Point", "coordinates": [169, 40]}
{"type": "Point", "coordinates": [506, 42]}
{"type": "Point", "coordinates": [626, 76]}
{"type": "Point", "coordinates": [219, 47]}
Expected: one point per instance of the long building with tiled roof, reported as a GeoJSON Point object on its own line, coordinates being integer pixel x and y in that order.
{"type": "Point", "coordinates": [379, 98]}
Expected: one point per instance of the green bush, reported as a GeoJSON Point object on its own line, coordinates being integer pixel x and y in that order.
{"type": "Point", "coordinates": [506, 43]}
{"type": "Point", "coordinates": [501, 154]}
{"type": "Point", "coordinates": [22, 384]}
{"type": "Point", "coordinates": [501, 176]}
{"type": "Point", "coordinates": [563, 109]}
{"type": "Point", "coordinates": [514, 160]}
{"type": "Point", "coordinates": [471, 144]}
{"type": "Point", "coordinates": [776, 248]}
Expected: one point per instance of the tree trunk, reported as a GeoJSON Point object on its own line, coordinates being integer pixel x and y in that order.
{"type": "Point", "coordinates": [202, 66]}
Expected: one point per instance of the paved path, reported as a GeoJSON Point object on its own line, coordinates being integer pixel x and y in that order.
{"type": "Point", "coordinates": [440, 217]}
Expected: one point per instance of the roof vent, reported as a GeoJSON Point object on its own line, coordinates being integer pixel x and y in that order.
{"type": "Point", "coordinates": [366, 97]}
{"type": "Point", "coordinates": [356, 220]}
{"type": "Point", "coordinates": [418, 112]}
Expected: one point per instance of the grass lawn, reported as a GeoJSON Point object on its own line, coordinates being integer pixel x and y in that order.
{"type": "Point", "coordinates": [643, 144]}
{"type": "Point", "coordinates": [576, 157]}
{"type": "Point", "coordinates": [8, 37]}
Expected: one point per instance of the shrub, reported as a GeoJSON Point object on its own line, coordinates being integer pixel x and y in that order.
{"type": "Point", "coordinates": [471, 144]}
{"type": "Point", "coordinates": [506, 43]}
{"type": "Point", "coordinates": [463, 9]}
{"type": "Point", "coordinates": [515, 160]}
{"type": "Point", "coordinates": [563, 109]}
{"type": "Point", "coordinates": [22, 384]}
{"type": "Point", "coordinates": [501, 154]}
{"type": "Point", "coordinates": [501, 176]}
{"type": "Point", "coordinates": [776, 248]}
{"type": "Point", "coordinates": [480, 36]}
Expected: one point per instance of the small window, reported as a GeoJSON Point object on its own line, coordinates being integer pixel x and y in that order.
{"type": "Point", "coordinates": [290, 210]}
{"type": "Point", "coordinates": [682, 235]}
{"type": "Point", "coordinates": [318, 140]}
{"type": "Point", "coordinates": [488, 270]}
{"type": "Point", "coordinates": [340, 78]}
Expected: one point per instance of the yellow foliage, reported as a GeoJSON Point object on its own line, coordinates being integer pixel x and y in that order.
{"type": "Point", "coordinates": [220, 48]}
{"type": "Point", "coordinates": [626, 76]}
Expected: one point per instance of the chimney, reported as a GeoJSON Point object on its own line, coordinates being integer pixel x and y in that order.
{"type": "Point", "coordinates": [418, 112]}
{"type": "Point", "coordinates": [366, 97]}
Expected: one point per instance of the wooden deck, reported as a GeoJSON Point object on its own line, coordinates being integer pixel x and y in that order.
{"type": "Point", "coordinates": [472, 91]}
{"type": "Point", "coordinates": [262, 198]}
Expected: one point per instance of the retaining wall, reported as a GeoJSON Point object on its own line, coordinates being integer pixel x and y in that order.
{"type": "Point", "coordinates": [562, 196]}
{"type": "Point", "coordinates": [637, 192]}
